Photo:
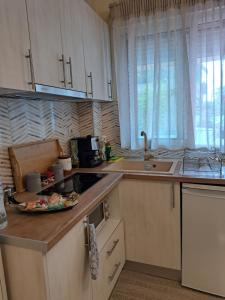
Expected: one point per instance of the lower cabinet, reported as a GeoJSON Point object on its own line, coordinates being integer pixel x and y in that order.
{"type": "Point", "coordinates": [63, 273]}
{"type": "Point", "coordinates": [151, 214]}
{"type": "Point", "coordinates": [143, 226]}
{"type": "Point", "coordinates": [112, 259]}
{"type": "Point", "coordinates": [67, 267]}
{"type": "Point", "coordinates": [3, 293]}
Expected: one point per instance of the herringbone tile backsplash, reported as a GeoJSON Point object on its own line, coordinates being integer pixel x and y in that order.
{"type": "Point", "coordinates": [23, 121]}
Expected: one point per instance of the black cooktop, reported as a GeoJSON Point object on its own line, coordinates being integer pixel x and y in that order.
{"type": "Point", "coordinates": [79, 183]}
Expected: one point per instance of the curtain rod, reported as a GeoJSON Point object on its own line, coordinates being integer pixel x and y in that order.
{"type": "Point", "coordinates": [126, 8]}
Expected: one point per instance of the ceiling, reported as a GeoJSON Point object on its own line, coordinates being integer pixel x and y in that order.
{"type": "Point", "coordinates": [101, 7]}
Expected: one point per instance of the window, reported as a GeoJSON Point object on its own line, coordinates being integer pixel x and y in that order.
{"type": "Point", "coordinates": [170, 69]}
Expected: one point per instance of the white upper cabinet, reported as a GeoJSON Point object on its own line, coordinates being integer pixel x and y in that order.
{"type": "Point", "coordinates": [72, 40]}
{"type": "Point", "coordinates": [93, 53]}
{"type": "Point", "coordinates": [15, 69]}
{"type": "Point", "coordinates": [46, 43]}
{"type": "Point", "coordinates": [61, 43]}
{"type": "Point", "coordinates": [107, 62]}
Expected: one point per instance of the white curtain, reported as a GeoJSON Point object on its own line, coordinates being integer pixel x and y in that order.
{"type": "Point", "coordinates": [170, 71]}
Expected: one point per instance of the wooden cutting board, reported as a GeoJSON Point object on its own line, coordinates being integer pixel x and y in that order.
{"type": "Point", "coordinates": [32, 157]}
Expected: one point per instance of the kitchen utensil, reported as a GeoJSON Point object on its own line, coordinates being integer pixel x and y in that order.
{"type": "Point", "coordinates": [33, 182]}
{"type": "Point", "coordinates": [66, 162]}
{"type": "Point", "coordinates": [58, 172]}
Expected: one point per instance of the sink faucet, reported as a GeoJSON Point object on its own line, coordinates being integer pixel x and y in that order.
{"type": "Point", "coordinates": [147, 156]}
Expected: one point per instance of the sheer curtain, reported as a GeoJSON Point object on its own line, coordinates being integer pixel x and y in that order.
{"type": "Point", "coordinates": [170, 70]}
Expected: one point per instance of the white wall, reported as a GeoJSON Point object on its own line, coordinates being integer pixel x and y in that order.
{"type": "Point", "coordinates": [101, 7]}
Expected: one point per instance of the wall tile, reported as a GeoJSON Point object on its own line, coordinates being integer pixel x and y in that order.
{"type": "Point", "coordinates": [85, 111]}
{"type": "Point", "coordinates": [97, 119]}
{"type": "Point", "coordinates": [23, 121]}
{"type": "Point", "coordinates": [5, 141]}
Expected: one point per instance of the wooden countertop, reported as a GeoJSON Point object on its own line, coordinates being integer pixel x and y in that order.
{"type": "Point", "coordinates": [177, 176]}
{"type": "Point", "coordinates": [43, 231]}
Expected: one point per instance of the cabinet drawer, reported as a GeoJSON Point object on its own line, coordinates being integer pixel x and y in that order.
{"type": "Point", "coordinates": [112, 258]}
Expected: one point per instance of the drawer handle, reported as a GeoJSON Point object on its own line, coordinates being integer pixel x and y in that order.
{"type": "Point", "coordinates": [110, 89]}
{"type": "Point", "coordinates": [91, 79]}
{"type": "Point", "coordinates": [109, 252]}
{"type": "Point", "coordinates": [29, 57]}
{"type": "Point", "coordinates": [111, 277]}
{"type": "Point", "coordinates": [69, 62]}
{"type": "Point", "coordinates": [173, 196]}
{"type": "Point", "coordinates": [62, 60]}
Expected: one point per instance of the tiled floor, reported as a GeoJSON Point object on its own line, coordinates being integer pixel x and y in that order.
{"type": "Point", "coordinates": [137, 286]}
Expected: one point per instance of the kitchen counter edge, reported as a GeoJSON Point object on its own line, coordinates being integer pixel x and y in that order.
{"type": "Point", "coordinates": [41, 232]}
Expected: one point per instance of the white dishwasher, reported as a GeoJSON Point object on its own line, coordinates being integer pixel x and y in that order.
{"type": "Point", "coordinates": [203, 238]}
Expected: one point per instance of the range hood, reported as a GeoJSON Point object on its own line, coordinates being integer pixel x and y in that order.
{"type": "Point", "coordinates": [45, 92]}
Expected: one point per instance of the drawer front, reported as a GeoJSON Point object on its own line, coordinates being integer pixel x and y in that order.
{"type": "Point", "coordinates": [112, 258]}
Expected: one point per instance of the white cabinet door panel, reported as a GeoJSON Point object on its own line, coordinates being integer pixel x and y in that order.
{"type": "Point", "coordinates": [93, 53]}
{"type": "Point", "coordinates": [71, 24]}
{"type": "Point", "coordinates": [46, 44]}
{"type": "Point", "coordinates": [14, 36]}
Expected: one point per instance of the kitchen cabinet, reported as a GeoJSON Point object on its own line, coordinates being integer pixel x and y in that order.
{"type": "Point", "coordinates": [3, 293]}
{"type": "Point", "coordinates": [15, 71]}
{"type": "Point", "coordinates": [111, 261]}
{"type": "Point", "coordinates": [46, 43]}
{"type": "Point", "coordinates": [151, 213]}
{"type": "Point", "coordinates": [60, 43]}
{"type": "Point", "coordinates": [93, 53]}
{"type": "Point", "coordinates": [69, 258]}
{"type": "Point", "coordinates": [61, 273]}
{"type": "Point", "coordinates": [107, 62]}
{"type": "Point", "coordinates": [72, 41]}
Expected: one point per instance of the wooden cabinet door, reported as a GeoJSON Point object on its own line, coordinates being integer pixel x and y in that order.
{"type": "Point", "coordinates": [93, 53]}
{"type": "Point", "coordinates": [46, 44]}
{"type": "Point", "coordinates": [71, 24]}
{"type": "Point", "coordinates": [67, 267]}
{"type": "Point", "coordinates": [151, 212]}
{"type": "Point", "coordinates": [14, 36]}
{"type": "Point", "coordinates": [3, 293]}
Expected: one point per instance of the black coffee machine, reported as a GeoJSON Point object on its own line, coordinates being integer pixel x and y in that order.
{"type": "Point", "coordinates": [86, 151]}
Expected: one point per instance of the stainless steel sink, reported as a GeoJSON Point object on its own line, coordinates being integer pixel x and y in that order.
{"type": "Point", "coordinates": [153, 166]}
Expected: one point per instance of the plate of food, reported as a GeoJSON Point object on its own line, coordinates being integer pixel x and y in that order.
{"type": "Point", "coordinates": [55, 202]}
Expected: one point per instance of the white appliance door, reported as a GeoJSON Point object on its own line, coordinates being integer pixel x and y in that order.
{"type": "Point", "coordinates": [203, 239]}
